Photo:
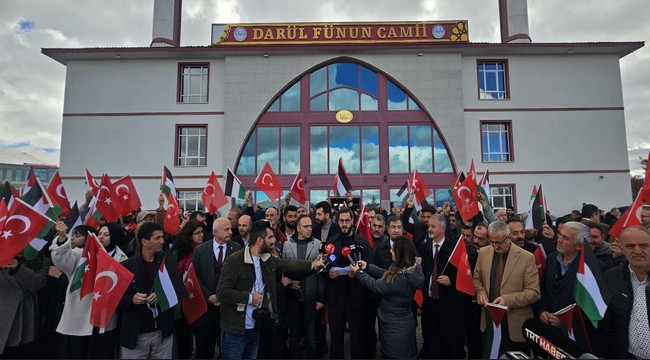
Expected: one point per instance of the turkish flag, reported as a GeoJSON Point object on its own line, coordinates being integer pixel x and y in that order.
{"type": "Point", "coordinates": [58, 195]}
{"type": "Point", "coordinates": [465, 197]}
{"type": "Point", "coordinates": [92, 182]}
{"type": "Point", "coordinates": [646, 183]}
{"type": "Point", "coordinates": [631, 217]}
{"type": "Point", "coordinates": [194, 303]}
{"type": "Point", "coordinates": [22, 224]}
{"type": "Point", "coordinates": [4, 211]}
{"type": "Point", "coordinates": [172, 219]}
{"type": "Point", "coordinates": [126, 196]}
{"type": "Point", "coordinates": [268, 182]}
{"type": "Point", "coordinates": [363, 226]}
{"type": "Point", "coordinates": [106, 204]}
{"type": "Point", "coordinates": [298, 189]}
{"type": "Point", "coordinates": [213, 197]}
{"type": "Point", "coordinates": [89, 253]}
{"type": "Point", "coordinates": [111, 281]}
{"type": "Point", "coordinates": [420, 188]}
{"type": "Point", "coordinates": [459, 259]}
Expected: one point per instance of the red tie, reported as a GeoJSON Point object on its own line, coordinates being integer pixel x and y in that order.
{"type": "Point", "coordinates": [220, 256]}
{"type": "Point", "coordinates": [434, 275]}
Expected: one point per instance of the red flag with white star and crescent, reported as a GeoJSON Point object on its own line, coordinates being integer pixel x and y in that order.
{"type": "Point", "coordinates": [22, 224]}
{"type": "Point", "coordinates": [459, 259]}
{"type": "Point", "coordinates": [106, 204]}
{"type": "Point", "coordinates": [193, 305]}
{"type": "Point", "coordinates": [298, 189]}
{"type": "Point", "coordinates": [111, 281]}
{"type": "Point", "coordinates": [58, 195]}
{"type": "Point", "coordinates": [172, 219]}
{"type": "Point", "coordinates": [268, 182]}
{"type": "Point", "coordinates": [213, 197]}
{"type": "Point", "coordinates": [125, 195]}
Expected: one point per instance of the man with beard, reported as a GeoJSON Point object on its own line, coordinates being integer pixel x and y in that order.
{"type": "Point", "coordinates": [243, 231]}
{"type": "Point", "coordinates": [325, 228]}
{"type": "Point", "coordinates": [289, 216]}
{"type": "Point", "coordinates": [306, 297]}
{"type": "Point", "coordinates": [247, 284]}
{"type": "Point", "coordinates": [346, 297]}
{"type": "Point", "coordinates": [419, 228]}
{"type": "Point", "coordinates": [518, 235]}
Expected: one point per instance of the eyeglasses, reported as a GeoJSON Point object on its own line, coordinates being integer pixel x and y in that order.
{"type": "Point", "coordinates": [498, 243]}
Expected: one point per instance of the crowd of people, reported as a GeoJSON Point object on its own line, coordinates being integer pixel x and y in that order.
{"type": "Point", "coordinates": [290, 282]}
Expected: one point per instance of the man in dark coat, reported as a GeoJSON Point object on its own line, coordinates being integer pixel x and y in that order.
{"type": "Point", "coordinates": [625, 325]}
{"type": "Point", "coordinates": [442, 304]}
{"type": "Point", "coordinates": [208, 260]}
{"type": "Point", "coordinates": [146, 332]}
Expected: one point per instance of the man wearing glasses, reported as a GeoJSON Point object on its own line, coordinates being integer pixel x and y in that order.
{"type": "Point", "coordinates": [306, 297]}
{"type": "Point", "coordinates": [506, 275]}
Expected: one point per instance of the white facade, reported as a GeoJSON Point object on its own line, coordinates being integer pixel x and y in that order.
{"type": "Point", "coordinates": [565, 106]}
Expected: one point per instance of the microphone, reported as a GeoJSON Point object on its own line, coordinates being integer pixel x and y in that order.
{"type": "Point", "coordinates": [329, 260]}
{"type": "Point", "coordinates": [345, 251]}
{"type": "Point", "coordinates": [552, 341]}
{"type": "Point", "coordinates": [357, 252]}
{"type": "Point", "coordinates": [330, 248]}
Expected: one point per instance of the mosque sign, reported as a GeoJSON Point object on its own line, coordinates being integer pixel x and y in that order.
{"type": "Point", "coordinates": [340, 33]}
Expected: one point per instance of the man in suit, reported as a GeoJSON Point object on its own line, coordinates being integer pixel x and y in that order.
{"type": "Point", "coordinates": [208, 260]}
{"type": "Point", "coordinates": [506, 275]}
{"type": "Point", "coordinates": [243, 231]}
{"type": "Point", "coordinates": [442, 304]}
{"type": "Point", "coordinates": [626, 321]}
{"type": "Point", "coordinates": [306, 297]}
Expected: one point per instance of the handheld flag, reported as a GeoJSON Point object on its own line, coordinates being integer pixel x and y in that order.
{"type": "Point", "coordinates": [420, 189]}
{"type": "Point", "coordinates": [31, 181]}
{"type": "Point", "coordinates": [465, 196]}
{"type": "Point", "coordinates": [298, 189]}
{"type": "Point", "coordinates": [268, 182]}
{"type": "Point", "coordinates": [590, 291]}
{"type": "Point", "coordinates": [493, 330]}
{"type": "Point", "coordinates": [537, 213]}
{"type": "Point", "coordinates": [484, 187]}
{"type": "Point", "coordinates": [58, 195]}
{"type": "Point", "coordinates": [86, 270]}
{"type": "Point", "coordinates": [341, 181]}
{"type": "Point", "coordinates": [164, 289]}
{"type": "Point", "coordinates": [126, 196]}
{"type": "Point", "coordinates": [167, 185]}
{"type": "Point", "coordinates": [631, 217]}
{"type": "Point", "coordinates": [106, 204]}
{"type": "Point", "coordinates": [234, 188]}
{"type": "Point", "coordinates": [193, 305]}
{"type": "Point", "coordinates": [110, 284]}
{"type": "Point", "coordinates": [213, 197]}
{"type": "Point", "coordinates": [94, 186]}
{"type": "Point", "coordinates": [459, 259]}
{"type": "Point", "coordinates": [363, 226]}
{"type": "Point", "coordinates": [172, 213]}
{"type": "Point", "coordinates": [22, 224]}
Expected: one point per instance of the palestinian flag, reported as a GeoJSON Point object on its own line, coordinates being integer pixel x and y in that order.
{"type": "Point", "coordinates": [38, 197]}
{"type": "Point", "coordinates": [537, 213]}
{"type": "Point", "coordinates": [403, 192]}
{"type": "Point", "coordinates": [566, 320]}
{"type": "Point", "coordinates": [484, 186]}
{"type": "Point", "coordinates": [590, 291]}
{"type": "Point", "coordinates": [493, 330]}
{"type": "Point", "coordinates": [341, 181]}
{"type": "Point", "coordinates": [167, 185]}
{"type": "Point", "coordinates": [164, 289]}
{"type": "Point", "coordinates": [234, 188]}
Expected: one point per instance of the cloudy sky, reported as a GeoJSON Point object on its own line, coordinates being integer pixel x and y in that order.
{"type": "Point", "coordinates": [31, 84]}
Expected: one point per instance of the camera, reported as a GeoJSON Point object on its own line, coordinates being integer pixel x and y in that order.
{"type": "Point", "coordinates": [266, 321]}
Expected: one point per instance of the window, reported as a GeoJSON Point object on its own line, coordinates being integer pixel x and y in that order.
{"type": "Point", "coordinates": [410, 148]}
{"type": "Point", "coordinates": [343, 86]}
{"type": "Point", "coordinates": [193, 83]}
{"type": "Point", "coordinates": [496, 139]}
{"type": "Point", "coordinates": [191, 145]}
{"type": "Point", "coordinates": [275, 145]}
{"type": "Point", "coordinates": [190, 200]}
{"type": "Point", "coordinates": [289, 101]}
{"type": "Point", "coordinates": [502, 196]}
{"type": "Point", "coordinates": [397, 98]}
{"type": "Point", "coordinates": [493, 79]}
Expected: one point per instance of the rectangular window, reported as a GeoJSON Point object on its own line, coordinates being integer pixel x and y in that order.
{"type": "Point", "coordinates": [191, 145]}
{"type": "Point", "coordinates": [193, 83]}
{"type": "Point", "coordinates": [496, 141]}
{"type": "Point", "coordinates": [190, 200]}
{"type": "Point", "coordinates": [502, 196]}
{"type": "Point", "coordinates": [493, 80]}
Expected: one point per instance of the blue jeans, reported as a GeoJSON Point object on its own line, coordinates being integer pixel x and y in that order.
{"type": "Point", "coordinates": [242, 346]}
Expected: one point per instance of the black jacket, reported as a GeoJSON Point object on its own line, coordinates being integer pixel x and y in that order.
{"type": "Point", "coordinates": [616, 323]}
{"type": "Point", "coordinates": [130, 326]}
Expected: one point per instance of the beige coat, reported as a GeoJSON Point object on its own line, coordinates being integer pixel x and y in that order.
{"type": "Point", "coordinates": [519, 286]}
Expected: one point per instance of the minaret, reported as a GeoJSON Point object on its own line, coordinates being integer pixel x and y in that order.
{"type": "Point", "coordinates": [513, 16]}
{"type": "Point", "coordinates": [166, 23]}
